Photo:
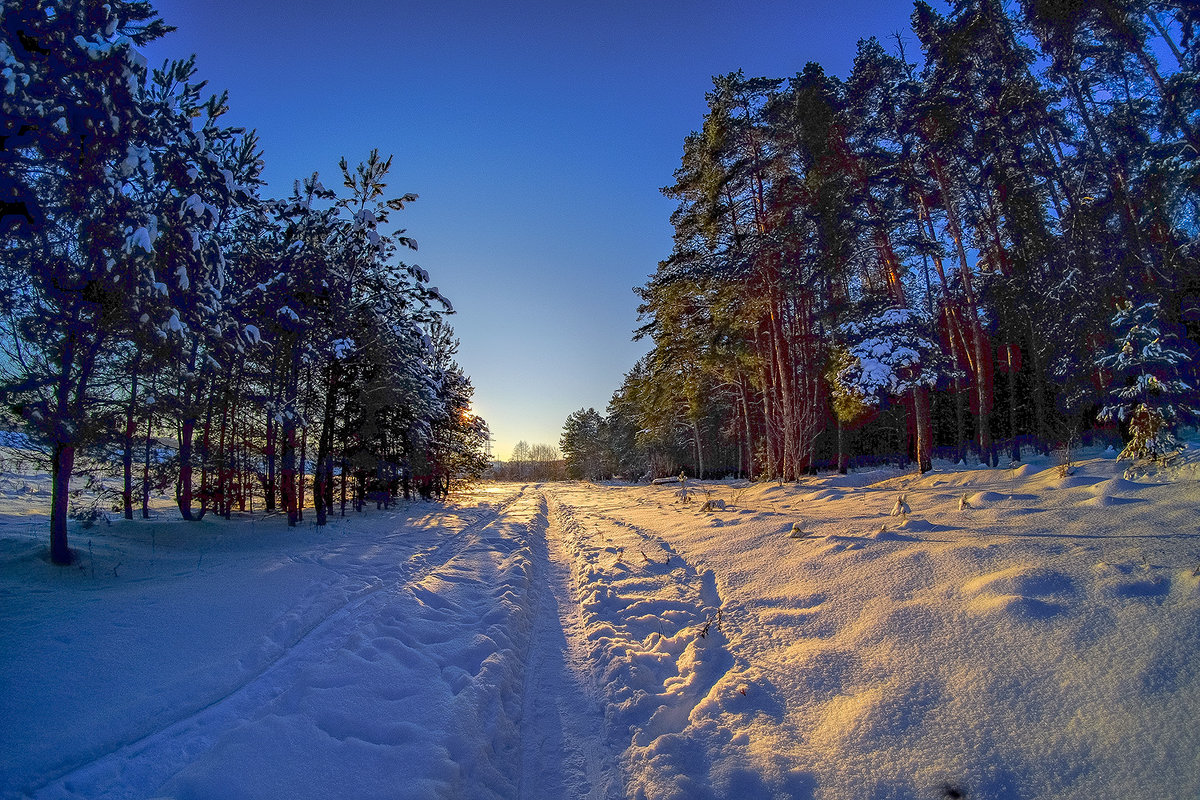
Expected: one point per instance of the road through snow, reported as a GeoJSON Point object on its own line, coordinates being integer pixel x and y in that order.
{"type": "Point", "coordinates": [564, 748]}
{"type": "Point", "coordinates": [1027, 633]}
{"type": "Point", "coordinates": [416, 653]}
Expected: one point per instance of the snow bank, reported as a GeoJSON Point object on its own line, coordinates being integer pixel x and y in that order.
{"type": "Point", "coordinates": [991, 634]}
{"type": "Point", "coordinates": [1040, 641]}
{"type": "Point", "coordinates": [382, 656]}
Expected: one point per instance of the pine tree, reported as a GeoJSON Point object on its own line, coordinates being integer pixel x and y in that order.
{"type": "Point", "coordinates": [1152, 396]}
{"type": "Point", "coordinates": [582, 444]}
{"type": "Point", "coordinates": [77, 249]}
{"type": "Point", "coordinates": [889, 355]}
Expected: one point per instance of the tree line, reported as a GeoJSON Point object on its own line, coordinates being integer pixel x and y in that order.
{"type": "Point", "coordinates": [536, 462]}
{"type": "Point", "coordinates": [149, 294]}
{"type": "Point", "coordinates": [942, 253]}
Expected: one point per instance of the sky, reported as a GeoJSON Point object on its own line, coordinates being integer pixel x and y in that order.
{"type": "Point", "coordinates": [537, 135]}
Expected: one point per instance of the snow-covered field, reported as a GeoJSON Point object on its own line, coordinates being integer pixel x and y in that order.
{"type": "Point", "coordinates": [1014, 634]}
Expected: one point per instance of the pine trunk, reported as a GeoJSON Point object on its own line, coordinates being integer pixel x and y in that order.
{"type": "Point", "coordinates": [749, 434]}
{"type": "Point", "coordinates": [221, 489]}
{"type": "Point", "coordinates": [146, 467]}
{"type": "Point", "coordinates": [923, 446]}
{"type": "Point", "coordinates": [1012, 402]}
{"type": "Point", "coordinates": [127, 450]}
{"type": "Point", "coordinates": [269, 485]}
{"type": "Point", "coordinates": [302, 474]}
{"type": "Point", "coordinates": [323, 488]}
{"type": "Point", "coordinates": [287, 484]}
{"type": "Point", "coordinates": [184, 494]}
{"type": "Point", "coordinates": [60, 492]}
{"type": "Point", "coordinates": [842, 458]}
{"type": "Point", "coordinates": [206, 456]}
{"type": "Point", "coordinates": [982, 360]}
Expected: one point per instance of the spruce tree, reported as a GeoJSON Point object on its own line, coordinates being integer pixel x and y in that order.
{"type": "Point", "coordinates": [1154, 383]}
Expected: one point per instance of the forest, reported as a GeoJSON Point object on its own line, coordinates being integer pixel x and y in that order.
{"type": "Point", "coordinates": [978, 245]}
{"type": "Point", "coordinates": [163, 322]}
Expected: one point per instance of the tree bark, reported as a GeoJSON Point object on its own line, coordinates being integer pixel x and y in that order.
{"type": "Point", "coordinates": [302, 474]}
{"type": "Point", "coordinates": [923, 445]}
{"type": "Point", "coordinates": [60, 489]}
{"type": "Point", "coordinates": [127, 452]}
{"type": "Point", "coordinates": [269, 487]}
{"type": "Point", "coordinates": [206, 455]}
{"type": "Point", "coordinates": [1012, 402]}
{"type": "Point", "coordinates": [184, 498]}
{"type": "Point", "coordinates": [323, 488]}
{"type": "Point", "coordinates": [982, 361]}
{"type": "Point", "coordinates": [146, 467]}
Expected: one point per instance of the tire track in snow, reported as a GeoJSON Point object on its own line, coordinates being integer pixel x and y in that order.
{"type": "Point", "coordinates": [564, 752]}
{"type": "Point", "coordinates": [125, 771]}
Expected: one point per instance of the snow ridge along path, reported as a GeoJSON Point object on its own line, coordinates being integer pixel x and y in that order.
{"type": "Point", "coordinates": [565, 752]}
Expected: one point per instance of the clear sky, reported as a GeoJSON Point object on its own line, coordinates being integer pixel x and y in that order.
{"type": "Point", "coordinates": [537, 134]}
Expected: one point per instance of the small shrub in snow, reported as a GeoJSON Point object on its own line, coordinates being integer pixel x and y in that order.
{"type": "Point", "coordinates": [798, 531]}
{"type": "Point", "coordinates": [1065, 455]}
{"type": "Point", "coordinates": [685, 496]}
{"type": "Point", "coordinates": [735, 500]}
{"type": "Point", "coordinates": [713, 620]}
{"type": "Point", "coordinates": [901, 508]}
{"type": "Point", "coordinates": [87, 514]}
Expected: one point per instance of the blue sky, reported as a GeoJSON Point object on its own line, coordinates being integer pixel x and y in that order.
{"type": "Point", "coordinates": [537, 135]}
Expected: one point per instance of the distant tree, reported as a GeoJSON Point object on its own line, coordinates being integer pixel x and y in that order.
{"type": "Point", "coordinates": [890, 356]}
{"type": "Point", "coordinates": [543, 453]}
{"type": "Point", "coordinates": [582, 445]}
{"type": "Point", "coordinates": [849, 400]}
{"type": "Point", "coordinates": [545, 462]}
{"type": "Point", "coordinates": [456, 448]}
{"type": "Point", "coordinates": [519, 460]}
{"type": "Point", "coordinates": [624, 446]}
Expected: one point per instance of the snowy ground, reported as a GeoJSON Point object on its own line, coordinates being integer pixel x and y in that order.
{"type": "Point", "coordinates": [1015, 634]}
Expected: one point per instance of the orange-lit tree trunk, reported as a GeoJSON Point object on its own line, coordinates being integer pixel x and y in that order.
{"type": "Point", "coordinates": [979, 344]}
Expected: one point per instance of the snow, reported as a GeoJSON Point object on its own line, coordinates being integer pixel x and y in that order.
{"type": "Point", "coordinates": [217, 660]}
{"type": "Point", "coordinates": [1038, 640]}
{"type": "Point", "coordinates": [97, 50]}
{"type": "Point", "coordinates": [139, 239]}
{"type": "Point", "coordinates": [137, 159]}
{"type": "Point", "coordinates": [195, 206]}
